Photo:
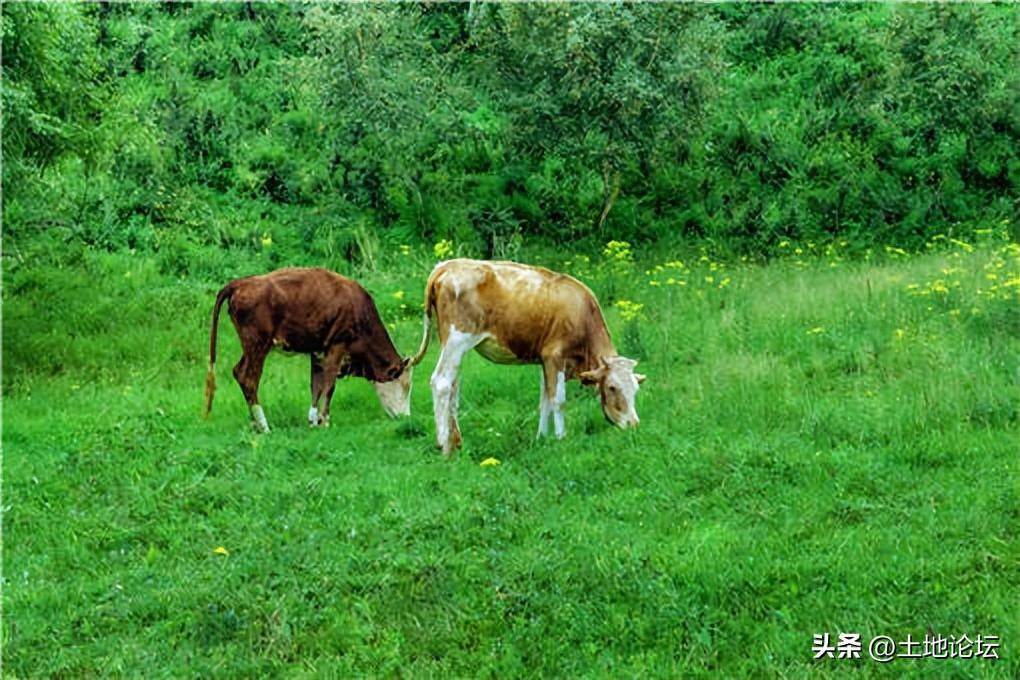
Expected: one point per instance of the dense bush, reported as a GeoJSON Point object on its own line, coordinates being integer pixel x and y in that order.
{"type": "Point", "coordinates": [148, 127]}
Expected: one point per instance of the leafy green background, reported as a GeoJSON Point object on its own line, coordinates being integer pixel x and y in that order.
{"type": "Point", "coordinates": [172, 127]}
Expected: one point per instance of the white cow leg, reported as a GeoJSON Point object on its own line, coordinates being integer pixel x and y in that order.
{"type": "Point", "coordinates": [313, 416]}
{"type": "Point", "coordinates": [543, 411]}
{"type": "Point", "coordinates": [554, 393]}
{"type": "Point", "coordinates": [445, 386]}
{"type": "Point", "coordinates": [258, 417]}
{"type": "Point", "coordinates": [442, 398]}
{"type": "Point", "coordinates": [557, 405]}
{"type": "Point", "coordinates": [455, 439]}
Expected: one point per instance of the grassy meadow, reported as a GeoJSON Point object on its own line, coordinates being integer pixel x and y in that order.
{"type": "Point", "coordinates": [826, 446]}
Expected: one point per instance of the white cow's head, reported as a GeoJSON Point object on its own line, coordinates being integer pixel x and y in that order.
{"type": "Point", "coordinates": [395, 393]}
{"type": "Point", "coordinates": [617, 383]}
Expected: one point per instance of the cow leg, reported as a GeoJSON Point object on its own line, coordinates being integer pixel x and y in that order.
{"type": "Point", "coordinates": [445, 387]}
{"type": "Point", "coordinates": [330, 368]}
{"type": "Point", "coordinates": [455, 438]}
{"type": "Point", "coordinates": [544, 407]}
{"type": "Point", "coordinates": [554, 394]}
{"type": "Point", "coordinates": [559, 399]}
{"type": "Point", "coordinates": [327, 399]}
{"type": "Point", "coordinates": [317, 383]}
{"type": "Point", "coordinates": [248, 373]}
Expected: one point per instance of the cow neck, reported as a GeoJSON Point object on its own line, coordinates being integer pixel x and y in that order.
{"type": "Point", "coordinates": [599, 346]}
{"type": "Point", "coordinates": [376, 353]}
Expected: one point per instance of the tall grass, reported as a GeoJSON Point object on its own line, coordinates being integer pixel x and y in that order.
{"type": "Point", "coordinates": [826, 446]}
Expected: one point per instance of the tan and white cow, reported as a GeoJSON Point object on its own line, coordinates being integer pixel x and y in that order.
{"type": "Point", "coordinates": [316, 312]}
{"type": "Point", "coordinates": [518, 314]}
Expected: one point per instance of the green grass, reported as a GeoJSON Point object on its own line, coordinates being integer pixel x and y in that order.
{"type": "Point", "coordinates": [825, 447]}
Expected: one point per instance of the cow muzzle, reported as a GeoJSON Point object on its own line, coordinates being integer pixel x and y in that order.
{"type": "Point", "coordinates": [395, 396]}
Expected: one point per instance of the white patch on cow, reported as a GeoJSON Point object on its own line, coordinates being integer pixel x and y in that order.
{"type": "Point", "coordinates": [313, 416]}
{"type": "Point", "coordinates": [258, 416]}
{"type": "Point", "coordinates": [444, 383]}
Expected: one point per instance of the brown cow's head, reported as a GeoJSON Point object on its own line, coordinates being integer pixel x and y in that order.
{"type": "Point", "coordinates": [395, 392]}
{"type": "Point", "coordinates": [617, 383]}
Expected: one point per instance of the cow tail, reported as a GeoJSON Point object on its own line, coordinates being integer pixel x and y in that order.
{"type": "Point", "coordinates": [430, 305]}
{"type": "Point", "coordinates": [210, 376]}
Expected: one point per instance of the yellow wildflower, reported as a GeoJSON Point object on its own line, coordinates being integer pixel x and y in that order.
{"type": "Point", "coordinates": [617, 250]}
{"type": "Point", "coordinates": [489, 462]}
{"type": "Point", "coordinates": [963, 244]}
{"type": "Point", "coordinates": [629, 310]}
{"type": "Point", "coordinates": [443, 249]}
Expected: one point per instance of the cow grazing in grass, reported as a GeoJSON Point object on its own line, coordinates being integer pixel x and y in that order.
{"type": "Point", "coordinates": [316, 312]}
{"type": "Point", "coordinates": [517, 314]}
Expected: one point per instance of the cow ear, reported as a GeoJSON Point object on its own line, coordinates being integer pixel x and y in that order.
{"type": "Point", "coordinates": [640, 377]}
{"type": "Point", "coordinates": [591, 377]}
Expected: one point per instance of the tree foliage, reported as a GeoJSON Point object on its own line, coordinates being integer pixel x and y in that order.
{"type": "Point", "coordinates": [172, 127]}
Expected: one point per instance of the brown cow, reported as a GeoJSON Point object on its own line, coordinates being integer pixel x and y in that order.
{"type": "Point", "coordinates": [514, 313]}
{"type": "Point", "coordinates": [310, 311]}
